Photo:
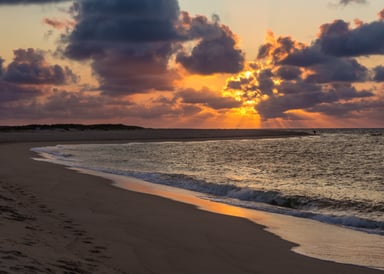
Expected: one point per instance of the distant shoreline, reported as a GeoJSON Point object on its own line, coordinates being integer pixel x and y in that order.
{"type": "Point", "coordinates": [111, 134]}
{"type": "Point", "coordinates": [68, 127]}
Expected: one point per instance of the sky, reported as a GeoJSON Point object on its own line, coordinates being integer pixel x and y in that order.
{"type": "Point", "coordinates": [193, 64]}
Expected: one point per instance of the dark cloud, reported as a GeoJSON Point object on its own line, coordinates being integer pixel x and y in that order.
{"type": "Point", "coordinates": [338, 70]}
{"type": "Point", "coordinates": [242, 83]}
{"type": "Point", "coordinates": [27, 2]}
{"type": "Point", "coordinates": [309, 78]}
{"type": "Point", "coordinates": [208, 98]}
{"type": "Point", "coordinates": [253, 84]}
{"type": "Point", "coordinates": [131, 43]}
{"type": "Point", "coordinates": [121, 72]}
{"type": "Point", "coordinates": [47, 104]}
{"type": "Point", "coordinates": [378, 74]}
{"type": "Point", "coordinates": [54, 105]}
{"type": "Point", "coordinates": [277, 52]}
{"type": "Point", "coordinates": [10, 92]}
{"type": "Point", "coordinates": [214, 56]}
{"type": "Point", "coordinates": [277, 106]}
{"type": "Point", "coordinates": [132, 21]}
{"type": "Point", "coordinates": [339, 39]}
{"type": "Point", "coordinates": [26, 81]}
{"type": "Point", "coordinates": [288, 72]}
{"type": "Point", "coordinates": [305, 57]}
{"type": "Point", "coordinates": [352, 109]}
{"type": "Point", "coordinates": [309, 97]}
{"type": "Point", "coordinates": [216, 52]}
{"type": "Point", "coordinates": [1, 66]}
{"type": "Point", "coordinates": [265, 81]}
{"type": "Point", "coordinates": [30, 67]}
{"type": "Point", "coordinates": [63, 106]}
{"type": "Point", "coordinates": [162, 108]}
{"type": "Point", "coordinates": [321, 66]}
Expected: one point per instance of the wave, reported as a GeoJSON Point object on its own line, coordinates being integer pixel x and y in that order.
{"type": "Point", "coordinates": [270, 201]}
{"type": "Point", "coordinates": [265, 200]}
{"type": "Point", "coordinates": [55, 154]}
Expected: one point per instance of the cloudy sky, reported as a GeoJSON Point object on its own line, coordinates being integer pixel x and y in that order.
{"type": "Point", "coordinates": [193, 63]}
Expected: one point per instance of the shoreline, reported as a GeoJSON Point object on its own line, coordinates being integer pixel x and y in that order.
{"type": "Point", "coordinates": [55, 219]}
{"type": "Point", "coordinates": [340, 244]}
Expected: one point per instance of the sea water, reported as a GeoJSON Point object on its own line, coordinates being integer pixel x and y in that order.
{"type": "Point", "coordinates": [335, 176]}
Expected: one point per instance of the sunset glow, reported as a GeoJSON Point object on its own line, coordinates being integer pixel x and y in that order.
{"type": "Point", "coordinates": [188, 65]}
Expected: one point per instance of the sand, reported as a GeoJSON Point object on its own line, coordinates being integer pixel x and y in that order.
{"type": "Point", "coordinates": [55, 220]}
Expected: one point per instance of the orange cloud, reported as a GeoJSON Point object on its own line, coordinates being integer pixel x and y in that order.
{"type": "Point", "coordinates": [59, 24]}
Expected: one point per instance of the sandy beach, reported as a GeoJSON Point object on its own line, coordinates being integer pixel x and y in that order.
{"type": "Point", "coordinates": [56, 220]}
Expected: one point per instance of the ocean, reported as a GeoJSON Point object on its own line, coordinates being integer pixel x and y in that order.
{"type": "Point", "coordinates": [335, 176]}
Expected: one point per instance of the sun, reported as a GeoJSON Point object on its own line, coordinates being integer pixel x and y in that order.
{"type": "Point", "coordinates": [248, 74]}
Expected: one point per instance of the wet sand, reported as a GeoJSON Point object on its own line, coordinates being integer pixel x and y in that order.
{"type": "Point", "coordinates": [55, 220]}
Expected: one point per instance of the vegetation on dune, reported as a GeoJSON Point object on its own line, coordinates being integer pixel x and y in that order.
{"type": "Point", "coordinates": [69, 127]}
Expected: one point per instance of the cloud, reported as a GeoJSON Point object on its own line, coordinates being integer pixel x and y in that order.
{"type": "Point", "coordinates": [277, 49]}
{"type": "Point", "coordinates": [208, 98]}
{"type": "Point", "coordinates": [128, 42]}
{"type": "Point", "coordinates": [30, 67]}
{"type": "Point", "coordinates": [381, 14]}
{"type": "Point", "coordinates": [336, 39]}
{"type": "Point", "coordinates": [10, 92]}
{"type": "Point", "coordinates": [1, 66]}
{"type": "Point", "coordinates": [57, 105]}
{"type": "Point", "coordinates": [305, 57]}
{"type": "Point", "coordinates": [28, 2]}
{"type": "Point", "coordinates": [338, 70]}
{"type": "Point", "coordinates": [242, 82]}
{"type": "Point", "coordinates": [289, 76]}
{"type": "Point", "coordinates": [290, 59]}
{"type": "Point", "coordinates": [132, 21]}
{"type": "Point", "coordinates": [347, 2]}
{"type": "Point", "coordinates": [52, 105]}
{"type": "Point", "coordinates": [214, 56]}
{"type": "Point", "coordinates": [312, 98]}
{"type": "Point", "coordinates": [217, 50]}
{"type": "Point", "coordinates": [138, 46]}
{"type": "Point", "coordinates": [34, 93]}
{"type": "Point", "coordinates": [62, 104]}
{"type": "Point", "coordinates": [26, 81]}
{"type": "Point", "coordinates": [163, 108]}
{"type": "Point", "coordinates": [378, 74]}
{"type": "Point", "coordinates": [131, 44]}
{"type": "Point", "coordinates": [289, 72]}
{"type": "Point", "coordinates": [351, 109]}
{"type": "Point", "coordinates": [58, 24]}
{"type": "Point", "coordinates": [339, 39]}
